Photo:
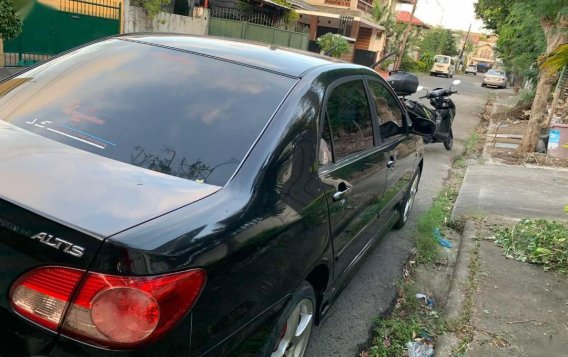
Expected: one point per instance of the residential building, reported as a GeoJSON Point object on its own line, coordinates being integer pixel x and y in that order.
{"type": "Point", "coordinates": [349, 18]}
{"type": "Point", "coordinates": [481, 52]}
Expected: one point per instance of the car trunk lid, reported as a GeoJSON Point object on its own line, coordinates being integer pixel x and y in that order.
{"type": "Point", "coordinates": [57, 204]}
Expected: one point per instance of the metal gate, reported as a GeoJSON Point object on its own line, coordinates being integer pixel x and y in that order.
{"type": "Point", "coordinates": [48, 30]}
{"type": "Point", "coordinates": [257, 27]}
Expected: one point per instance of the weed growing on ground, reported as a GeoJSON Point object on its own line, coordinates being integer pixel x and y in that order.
{"type": "Point", "coordinates": [537, 241]}
{"type": "Point", "coordinates": [410, 320]}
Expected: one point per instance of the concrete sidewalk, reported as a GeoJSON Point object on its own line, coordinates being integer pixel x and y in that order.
{"type": "Point", "coordinates": [513, 191]}
{"type": "Point", "coordinates": [518, 308]}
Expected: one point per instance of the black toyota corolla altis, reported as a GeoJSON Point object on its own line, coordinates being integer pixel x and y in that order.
{"type": "Point", "coordinates": [176, 196]}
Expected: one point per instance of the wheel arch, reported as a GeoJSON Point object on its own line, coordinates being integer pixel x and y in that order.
{"type": "Point", "coordinates": [319, 278]}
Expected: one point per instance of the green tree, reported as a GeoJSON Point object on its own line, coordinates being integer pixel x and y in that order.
{"type": "Point", "coordinates": [504, 16]}
{"type": "Point", "coordinates": [10, 23]}
{"type": "Point", "coordinates": [493, 12]}
{"type": "Point", "coordinates": [333, 44]}
{"type": "Point", "coordinates": [152, 7]}
{"type": "Point", "coordinates": [438, 41]}
{"type": "Point", "coordinates": [521, 41]}
{"type": "Point", "coordinates": [382, 15]}
{"type": "Point", "coordinates": [451, 45]}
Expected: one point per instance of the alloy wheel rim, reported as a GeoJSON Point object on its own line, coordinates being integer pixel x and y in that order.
{"type": "Point", "coordinates": [412, 195]}
{"type": "Point", "coordinates": [298, 329]}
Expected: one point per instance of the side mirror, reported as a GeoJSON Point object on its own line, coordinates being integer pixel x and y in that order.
{"type": "Point", "coordinates": [423, 127]}
{"type": "Point", "coordinates": [456, 82]}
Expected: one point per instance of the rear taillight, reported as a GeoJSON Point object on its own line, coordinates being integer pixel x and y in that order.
{"type": "Point", "coordinates": [108, 310]}
{"type": "Point", "coordinates": [42, 294]}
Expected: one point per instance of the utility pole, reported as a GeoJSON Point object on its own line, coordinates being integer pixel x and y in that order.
{"type": "Point", "coordinates": [405, 35]}
{"type": "Point", "coordinates": [464, 43]}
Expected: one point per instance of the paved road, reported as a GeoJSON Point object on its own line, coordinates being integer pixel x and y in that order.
{"type": "Point", "coordinates": [372, 290]}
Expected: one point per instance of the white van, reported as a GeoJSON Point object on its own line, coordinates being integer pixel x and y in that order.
{"type": "Point", "coordinates": [445, 65]}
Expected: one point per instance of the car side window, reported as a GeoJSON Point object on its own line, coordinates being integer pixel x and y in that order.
{"type": "Point", "coordinates": [349, 119]}
{"type": "Point", "coordinates": [388, 111]}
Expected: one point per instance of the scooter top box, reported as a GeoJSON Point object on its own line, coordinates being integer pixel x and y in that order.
{"type": "Point", "coordinates": [403, 83]}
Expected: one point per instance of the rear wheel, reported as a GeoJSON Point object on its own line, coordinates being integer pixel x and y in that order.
{"type": "Point", "coordinates": [291, 334]}
{"type": "Point", "coordinates": [449, 142]}
{"type": "Point", "coordinates": [405, 206]}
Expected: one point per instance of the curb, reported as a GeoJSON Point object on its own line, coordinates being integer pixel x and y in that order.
{"type": "Point", "coordinates": [455, 298]}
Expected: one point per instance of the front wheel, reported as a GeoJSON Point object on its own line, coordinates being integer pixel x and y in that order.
{"type": "Point", "coordinates": [449, 142]}
{"type": "Point", "coordinates": [291, 334]}
{"type": "Point", "coordinates": [405, 206]}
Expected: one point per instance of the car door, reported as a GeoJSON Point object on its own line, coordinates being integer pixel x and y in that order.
{"type": "Point", "coordinates": [396, 141]}
{"type": "Point", "coordinates": [352, 169]}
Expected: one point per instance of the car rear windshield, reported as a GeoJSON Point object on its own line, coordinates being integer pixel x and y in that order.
{"type": "Point", "coordinates": [173, 112]}
{"type": "Point", "coordinates": [442, 59]}
{"type": "Point", "coordinates": [496, 73]}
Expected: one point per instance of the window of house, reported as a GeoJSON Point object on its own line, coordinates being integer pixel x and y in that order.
{"type": "Point", "coordinates": [350, 120]}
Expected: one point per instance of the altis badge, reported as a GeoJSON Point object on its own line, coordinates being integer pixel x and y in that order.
{"type": "Point", "coordinates": [60, 244]}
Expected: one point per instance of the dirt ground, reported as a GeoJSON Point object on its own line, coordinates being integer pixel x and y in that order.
{"type": "Point", "coordinates": [520, 310]}
{"type": "Point", "coordinates": [505, 131]}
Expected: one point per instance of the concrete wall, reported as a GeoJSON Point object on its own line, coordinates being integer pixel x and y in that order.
{"type": "Point", "coordinates": [136, 20]}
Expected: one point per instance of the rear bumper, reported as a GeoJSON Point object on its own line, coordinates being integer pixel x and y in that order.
{"type": "Point", "coordinates": [494, 83]}
{"type": "Point", "coordinates": [19, 338]}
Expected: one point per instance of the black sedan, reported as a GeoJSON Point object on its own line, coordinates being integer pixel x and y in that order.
{"type": "Point", "coordinates": [176, 196]}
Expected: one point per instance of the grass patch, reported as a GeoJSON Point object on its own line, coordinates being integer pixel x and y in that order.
{"type": "Point", "coordinates": [470, 146]}
{"type": "Point", "coordinates": [536, 241]}
{"type": "Point", "coordinates": [410, 320]}
{"type": "Point", "coordinates": [437, 216]}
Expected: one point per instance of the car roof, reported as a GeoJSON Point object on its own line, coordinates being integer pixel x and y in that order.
{"type": "Point", "coordinates": [286, 61]}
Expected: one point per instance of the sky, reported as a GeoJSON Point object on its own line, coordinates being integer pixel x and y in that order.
{"type": "Point", "coordinates": [450, 14]}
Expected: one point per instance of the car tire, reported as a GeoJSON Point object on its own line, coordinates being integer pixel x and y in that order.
{"type": "Point", "coordinates": [449, 142]}
{"type": "Point", "coordinates": [405, 205]}
{"type": "Point", "coordinates": [291, 334]}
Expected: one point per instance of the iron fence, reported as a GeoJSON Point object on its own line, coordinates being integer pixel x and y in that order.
{"type": "Point", "coordinates": [99, 8]}
{"type": "Point", "coordinates": [258, 19]}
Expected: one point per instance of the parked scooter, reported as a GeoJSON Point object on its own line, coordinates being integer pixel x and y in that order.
{"type": "Point", "coordinates": [444, 110]}
{"type": "Point", "coordinates": [443, 113]}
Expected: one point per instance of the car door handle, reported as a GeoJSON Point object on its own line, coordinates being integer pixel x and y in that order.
{"type": "Point", "coordinates": [339, 194]}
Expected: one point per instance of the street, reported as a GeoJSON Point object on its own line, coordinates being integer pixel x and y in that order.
{"type": "Point", "coordinates": [348, 325]}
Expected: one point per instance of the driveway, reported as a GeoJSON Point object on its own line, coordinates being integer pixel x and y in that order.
{"type": "Point", "coordinates": [372, 290]}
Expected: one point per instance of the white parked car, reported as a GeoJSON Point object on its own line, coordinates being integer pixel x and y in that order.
{"type": "Point", "coordinates": [495, 78]}
{"type": "Point", "coordinates": [471, 69]}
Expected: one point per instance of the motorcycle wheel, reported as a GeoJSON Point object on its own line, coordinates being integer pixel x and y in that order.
{"type": "Point", "coordinates": [449, 142]}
